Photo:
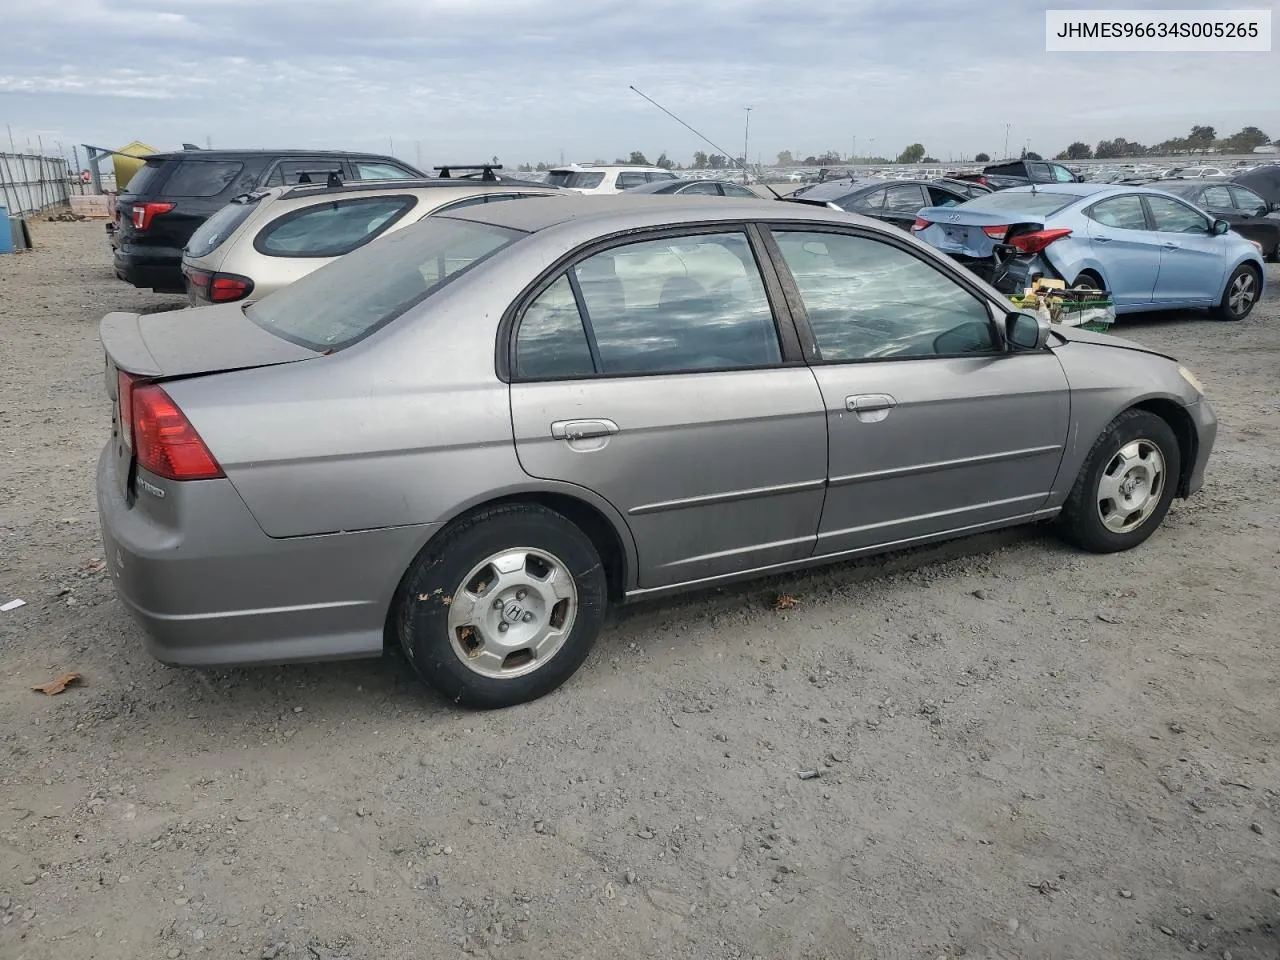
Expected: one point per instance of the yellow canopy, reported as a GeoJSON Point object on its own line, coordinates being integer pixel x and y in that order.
{"type": "Point", "coordinates": [131, 162]}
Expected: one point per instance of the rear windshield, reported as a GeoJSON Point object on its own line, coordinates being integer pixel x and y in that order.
{"type": "Point", "coordinates": [350, 298]}
{"type": "Point", "coordinates": [141, 181]}
{"type": "Point", "coordinates": [575, 179]}
{"type": "Point", "coordinates": [1040, 204]}
{"type": "Point", "coordinates": [202, 178]}
{"type": "Point", "coordinates": [210, 234]}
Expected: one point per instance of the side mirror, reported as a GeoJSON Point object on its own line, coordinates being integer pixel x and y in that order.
{"type": "Point", "coordinates": [1220, 227]}
{"type": "Point", "coordinates": [1026, 331]}
{"type": "Point", "coordinates": [1274, 206]}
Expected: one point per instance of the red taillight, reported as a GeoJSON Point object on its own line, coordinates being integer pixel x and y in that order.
{"type": "Point", "coordinates": [921, 224]}
{"type": "Point", "coordinates": [997, 232]}
{"type": "Point", "coordinates": [165, 442]}
{"type": "Point", "coordinates": [144, 212]}
{"type": "Point", "coordinates": [227, 287]}
{"type": "Point", "coordinates": [218, 287]}
{"type": "Point", "coordinates": [982, 180]}
{"type": "Point", "coordinates": [124, 392]}
{"type": "Point", "coordinates": [1037, 241]}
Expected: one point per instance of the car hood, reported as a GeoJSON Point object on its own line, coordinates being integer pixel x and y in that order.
{"type": "Point", "coordinates": [179, 343]}
{"type": "Point", "coordinates": [1068, 335]}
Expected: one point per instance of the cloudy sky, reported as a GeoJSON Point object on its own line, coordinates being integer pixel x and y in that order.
{"type": "Point", "coordinates": [528, 80]}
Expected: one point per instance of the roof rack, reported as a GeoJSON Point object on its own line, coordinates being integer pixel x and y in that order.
{"type": "Point", "coordinates": [486, 169]}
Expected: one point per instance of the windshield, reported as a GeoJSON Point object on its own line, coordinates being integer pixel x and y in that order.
{"type": "Point", "coordinates": [1040, 204]}
{"type": "Point", "coordinates": [575, 179]}
{"type": "Point", "coordinates": [350, 298]}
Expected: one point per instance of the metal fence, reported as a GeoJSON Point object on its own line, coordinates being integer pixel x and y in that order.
{"type": "Point", "coordinates": [30, 183]}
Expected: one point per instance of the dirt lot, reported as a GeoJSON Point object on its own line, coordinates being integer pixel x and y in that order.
{"type": "Point", "coordinates": [1024, 751]}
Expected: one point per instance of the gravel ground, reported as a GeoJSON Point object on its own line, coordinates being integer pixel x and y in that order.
{"type": "Point", "coordinates": [1022, 751]}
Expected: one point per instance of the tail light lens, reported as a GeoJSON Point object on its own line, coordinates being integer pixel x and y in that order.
{"type": "Point", "coordinates": [143, 213]}
{"type": "Point", "coordinates": [165, 442]}
{"type": "Point", "coordinates": [124, 392]}
{"type": "Point", "coordinates": [983, 181]}
{"type": "Point", "coordinates": [219, 287]}
{"type": "Point", "coordinates": [996, 232]}
{"type": "Point", "coordinates": [1038, 240]}
{"type": "Point", "coordinates": [920, 224]}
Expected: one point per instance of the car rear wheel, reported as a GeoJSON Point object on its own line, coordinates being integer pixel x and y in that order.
{"type": "Point", "coordinates": [1126, 485]}
{"type": "Point", "coordinates": [1240, 294]}
{"type": "Point", "coordinates": [502, 607]}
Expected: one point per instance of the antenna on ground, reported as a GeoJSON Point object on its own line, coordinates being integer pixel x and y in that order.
{"type": "Point", "coordinates": [719, 149]}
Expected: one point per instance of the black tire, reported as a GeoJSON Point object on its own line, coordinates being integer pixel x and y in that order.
{"type": "Point", "coordinates": [1229, 308]}
{"type": "Point", "coordinates": [1090, 279]}
{"type": "Point", "coordinates": [1081, 520]}
{"type": "Point", "coordinates": [437, 574]}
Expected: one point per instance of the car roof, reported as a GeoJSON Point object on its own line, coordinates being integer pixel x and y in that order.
{"type": "Point", "coordinates": [243, 154]}
{"type": "Point", "coordinates": [1068, 189]}
{"type": "Point", "coordinates": [622, 212]}
{"type": "Point", "coordinates": [583, 167]}
{"type": "Point", "coordinates": [441, 189]}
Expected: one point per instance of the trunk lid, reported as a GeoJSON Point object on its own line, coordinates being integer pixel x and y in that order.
{"type": "Point", "coordinates": [182, 343]}
{"type": "Point", "coordinates": [962, 232]}
{"type": "Point", "coordinates": [179, 343]}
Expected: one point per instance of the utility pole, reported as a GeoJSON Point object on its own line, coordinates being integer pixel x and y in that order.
{"type": "Point", "coordinates": [854, 157]}
{"type": "Point", "coordinates": [1006, 141]}
{"type": "Point", "coordinates": [746, 144]}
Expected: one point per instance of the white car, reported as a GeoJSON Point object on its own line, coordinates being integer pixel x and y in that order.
{"type": "Point", "coordinates": [595, 178]}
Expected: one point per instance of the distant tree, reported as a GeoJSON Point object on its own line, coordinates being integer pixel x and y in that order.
{"type": "Point", "coordinates": [785, 159]}
{"type": "Point", "coordinates": [912, 154]}
{"type": "Point", "coordinates": [717, 162]}
{"type": "Point", "coordinates": [1032, 155]}
{"type": "Point", "coordinates": [526, 167]}
{"type": "Point", "coordinates": [1061, 155]}
{"type": "Point", "coordinates": [541, 167]}
{"type": "Point", "coordinates": [638, 157]}
{"type": "Point", "coordinates": [1079, 151]}
{"type": "Point", "coordinates": [930, 160]}
{"type": "Point", "coordinates": [828, 159]}
{"type": "Point", "coordinates": [700, 160]}
{"type": "Point", "coordinates": [1244, 141]}
{"type": "Point", "coordinates": [982, 158]}
{"type": "Point", "coordinates": [1201, 137]}
{"type": "Point", "coordinates": [663, 162]}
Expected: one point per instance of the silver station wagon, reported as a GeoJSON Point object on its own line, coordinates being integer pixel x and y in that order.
{"type": "Point", "coordinates": [473, 434]}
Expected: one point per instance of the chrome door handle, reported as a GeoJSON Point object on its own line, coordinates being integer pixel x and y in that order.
{"type": "Point", "coordinates": [583, 429]}
{"type": "Point", "coordinates": [1170, 245]}
{"type": "Point", "coordinates": [1103, 239]}
{"type": "Point", "coordinates": [869, 402]}
{"type": "Point", "coordinates": [870, 407]}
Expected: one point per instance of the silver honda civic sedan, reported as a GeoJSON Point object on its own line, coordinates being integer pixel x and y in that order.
{"type": "Point", "coordinates": [472, 435]}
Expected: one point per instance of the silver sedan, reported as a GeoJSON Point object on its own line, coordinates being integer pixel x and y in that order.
{"type": "Point", "coordinates": [472, 435]}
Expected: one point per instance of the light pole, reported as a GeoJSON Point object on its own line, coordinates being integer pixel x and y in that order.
{"type": "Point", "coordinates": [1006, 140]}
{"type": "Point", "coordinates": [746, 145]}
{"type": "Point", "coordinates": [872, 149]}
{"type": "Point", "coordinates": [853, 158]}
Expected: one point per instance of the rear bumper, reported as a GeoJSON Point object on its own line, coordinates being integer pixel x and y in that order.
{"type": "Point", "coordinates": [159, 268]}
{"type": "Point", "coordinates": [1012, 275]}
{"type": "Point", "coordinates": [1206, 426]}
{"type": "Point", "coordinates": [209, 588]}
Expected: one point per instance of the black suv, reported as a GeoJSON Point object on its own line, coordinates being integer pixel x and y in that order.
{"type": "Point", "coordinates": [174, 193]}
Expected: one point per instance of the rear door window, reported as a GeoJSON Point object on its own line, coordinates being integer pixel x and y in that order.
{"type": "Point", "coordinates": [290, 172]}
{"type": "Point", "coordinates": [201, 178]}
{"type": "Point", "coordinates": [331, 229]}
{"type": "Point", "coordinates": [870, 203]}
{"type": "Point", "coordinates": [904, 199]}
{"type": "Point", "coordinates": [704, 189]}
{"type": "Point", "coordinates": [1217, 196]}
{"type": "Point", "coordinates": [1062, 174]}
{"type": "Point", "coordinates": [733, 190]}
{"type": "Point", "coordinates": [1123, 213]}
{"type": "Point", "coordinates": [146, 178]}
{"type": "Point", "coordinates": [631, 179]}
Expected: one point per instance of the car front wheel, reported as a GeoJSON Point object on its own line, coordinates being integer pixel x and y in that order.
{"type": "Point", "coordinates": [502, 607]}
{"type": "Point", "coordinates": [1126, 485]}
{"type": "Point", "coordinates": [1240, 294]}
